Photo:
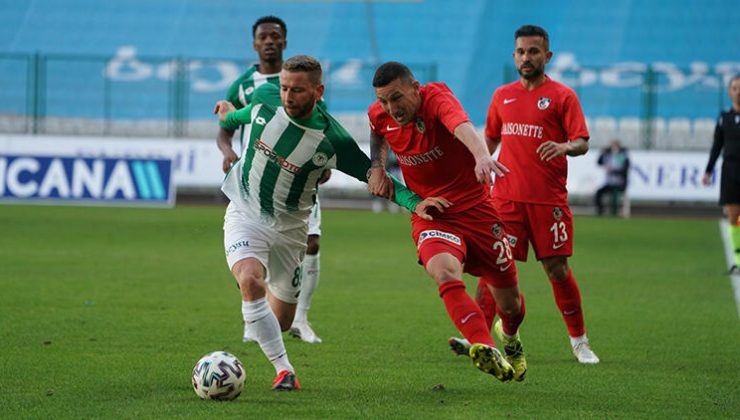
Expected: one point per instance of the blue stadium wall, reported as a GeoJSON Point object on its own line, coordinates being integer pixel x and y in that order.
{"type": "Point", "coordinates": [601, 47]}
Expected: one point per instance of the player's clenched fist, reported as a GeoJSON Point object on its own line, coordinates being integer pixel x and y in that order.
{"type": "Point", "coordinates": [428, 203]}
{"type": "Point", "coordinates": [484, 167]}
{"type": "Point", "coordinates": [379, 183]}
{"type": "Point", "coordinates": [223, 108]}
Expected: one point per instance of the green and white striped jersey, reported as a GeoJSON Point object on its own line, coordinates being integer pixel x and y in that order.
{"type": "Point", "coordinates": [240, 92]}
{"type": "Point", "coordinates": [275, 180]}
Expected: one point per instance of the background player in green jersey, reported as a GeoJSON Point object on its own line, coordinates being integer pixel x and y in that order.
{"type": "Point", "coordinates": [272, 188]}
{"type": "Point", "coordinates": [269, 40]}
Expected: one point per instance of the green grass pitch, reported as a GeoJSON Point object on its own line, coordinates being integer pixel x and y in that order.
{"type": "Point", "coordinates": [103, 313]}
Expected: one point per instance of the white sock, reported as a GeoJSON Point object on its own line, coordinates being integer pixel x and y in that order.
{"type": "Point", "coordinates": [264, 328]}
{"type": "Point", "coordinates": [311, 269]}
{"type": "Point", "coordinates": [574, 341]}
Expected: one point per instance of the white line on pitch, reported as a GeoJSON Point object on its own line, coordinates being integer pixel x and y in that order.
{"type": "Point", "coordinates": [724, 228]}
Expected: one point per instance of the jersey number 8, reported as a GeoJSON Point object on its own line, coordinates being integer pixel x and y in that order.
{"type": "Point", "coordinates": [296, 277]}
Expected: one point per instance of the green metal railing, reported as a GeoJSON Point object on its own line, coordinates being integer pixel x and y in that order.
{"type": "Point", "coordinates": [173, 92]}
{"type": "Point", "coordinates": [648, 93]}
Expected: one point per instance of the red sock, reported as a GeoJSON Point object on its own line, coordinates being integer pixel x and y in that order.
{"type": "Point", "coordinates": [568, 299]}
{"type": "Point", "coordinates": [485, 300]}
{"type": "Point", "coordinates": [511, 323]}
{"type": "Point", "coordinates": [465, 313]}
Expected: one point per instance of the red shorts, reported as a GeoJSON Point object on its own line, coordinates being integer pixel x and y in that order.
{"type": "Point", "coordinates": [548, 227]}
{"type": "Point", "coordinates": [475, 236]}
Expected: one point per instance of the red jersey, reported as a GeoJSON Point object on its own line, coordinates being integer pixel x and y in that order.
{"type": "Point", "coordinates": [523, 120]}
{"type": "Point", "coordinates": [433, 161]}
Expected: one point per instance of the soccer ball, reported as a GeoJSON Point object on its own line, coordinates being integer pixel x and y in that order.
{"type": "Point", "coordinates": [218, 376]}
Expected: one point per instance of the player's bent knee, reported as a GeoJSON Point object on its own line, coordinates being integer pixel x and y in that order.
{"type": "Point", "coordinates": [251, 289]}
{"type": "Point", "coordinates": [509, 307]}
{"type": "Point", "coordinates": [556, 269]}
{"type": "Point", "coordinates": [444, 277]}
{"type": "Point", "coordinates": [249, 275]}
{"type": "Point", "coordinates": [444, 273]}
{"type": "Point", "coordinates": [507, 300]}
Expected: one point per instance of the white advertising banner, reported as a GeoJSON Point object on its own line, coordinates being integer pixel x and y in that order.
{"type": "Point", "coordinates": [195, 162]}
{"type": "Point", "coordinates": [654, 175]}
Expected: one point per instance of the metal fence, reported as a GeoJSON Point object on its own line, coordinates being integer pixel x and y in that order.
{"type": "Point", "coordinates": [649, 106]}
{"type": "Point", "coordinates": [131, 95]}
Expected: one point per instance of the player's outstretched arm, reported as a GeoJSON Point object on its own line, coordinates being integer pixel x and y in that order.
{"type": "Point", "coordinates": [353, 162]}
{"type": "Point", "coordinates": [550, 149]}
{"type": "Point", "coordinates": [484, 163]}
{"type": "Point", "coordinates": [379, 183]}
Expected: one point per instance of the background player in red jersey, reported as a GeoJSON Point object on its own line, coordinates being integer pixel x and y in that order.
{"type": "Point", "coordinates": [441, 155]}
{"type": "Point", "coordinates": [538, 122]}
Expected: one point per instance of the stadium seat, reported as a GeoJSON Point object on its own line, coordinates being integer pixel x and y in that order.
{"type": "Point", "coordinates": [678, 133]}
{"type": "Point", "coordinates": [357, 125]}
{"type": "Point", "coordinates": [630, 132]}
{"type": "Point", "coordinates": [604, 129]}
{"type": "Point", "coordinates": [354, 37]}
{"type": "Point", "coordinates": [703, 133]}
{"type": "Point", "coordinates": [659, 134]}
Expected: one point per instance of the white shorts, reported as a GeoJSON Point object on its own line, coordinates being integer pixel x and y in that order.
{"type": "Point", "coordinates": [314, 219]}
{"type": "Point", "coordinates": [280, 252]}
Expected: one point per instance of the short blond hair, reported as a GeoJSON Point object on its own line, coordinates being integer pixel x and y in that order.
{"type": "Point", "coordinates": [306, 64]}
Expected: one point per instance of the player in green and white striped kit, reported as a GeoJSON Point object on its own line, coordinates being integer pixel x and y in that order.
{"type": "Point", "coordinates": [272, 188]}
{"type": "Point", "coordinates": [269, 40]}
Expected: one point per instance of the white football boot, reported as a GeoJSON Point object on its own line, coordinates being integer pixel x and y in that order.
{"type": "Point", "coordinates": [583, 351]}
{"type": "Point", "coordinates": [303, 330]}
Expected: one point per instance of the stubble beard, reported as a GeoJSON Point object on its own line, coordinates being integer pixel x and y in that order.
{"type": "Point", "coordinates": [303, 112]}
{"type": "Point", "coordinates": [534, 75]}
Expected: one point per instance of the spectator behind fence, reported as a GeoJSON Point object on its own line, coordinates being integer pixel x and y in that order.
{"type": "Point", "coordinates": [616, 162]}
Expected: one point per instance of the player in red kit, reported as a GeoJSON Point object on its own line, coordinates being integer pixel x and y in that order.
{"type": "Point", "coordinates": [538, 122]}
{"type": "Point", "coordinates": [441, 155]}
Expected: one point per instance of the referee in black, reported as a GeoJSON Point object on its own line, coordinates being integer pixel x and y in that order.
{"type": "Point", "coordinates": [727, 136]}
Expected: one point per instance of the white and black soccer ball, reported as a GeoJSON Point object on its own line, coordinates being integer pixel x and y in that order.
{"type": "Point", "coordinates": [218, 376]}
